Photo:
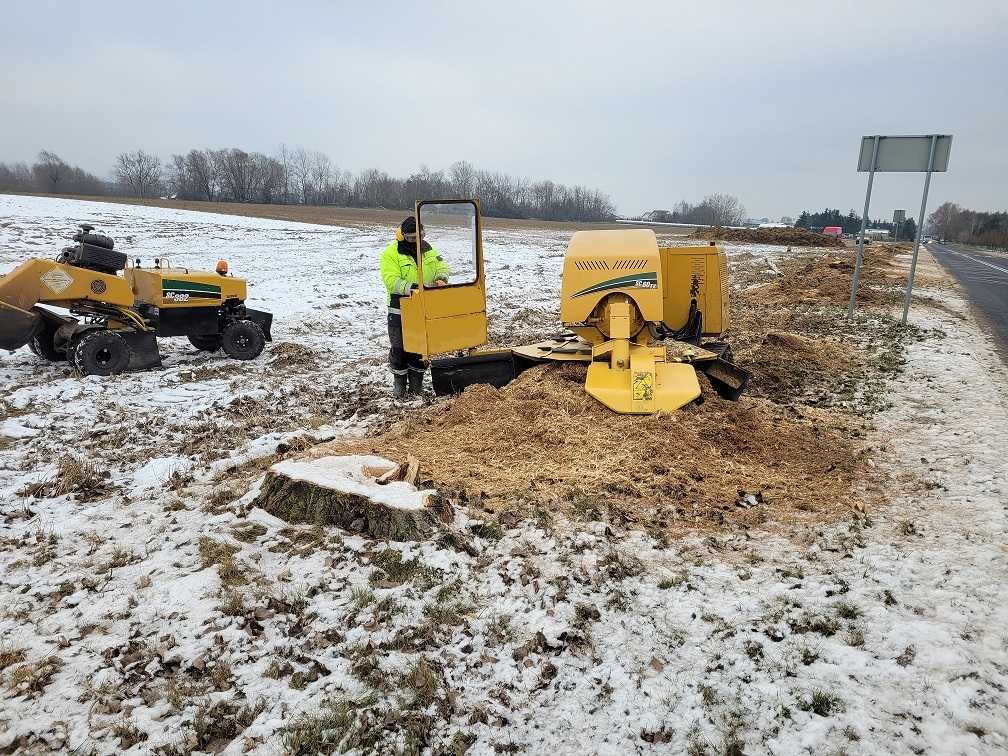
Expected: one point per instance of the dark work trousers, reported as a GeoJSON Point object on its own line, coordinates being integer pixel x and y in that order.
{"type": "Point", "coordinates": [400, 360]}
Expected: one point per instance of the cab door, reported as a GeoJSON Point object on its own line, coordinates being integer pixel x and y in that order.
{"type": "Point", "coordinates": [447, 316]}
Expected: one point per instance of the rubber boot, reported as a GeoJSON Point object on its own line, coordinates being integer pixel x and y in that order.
{"type": "Point", "coordinates": [398, 386]}
{"type": "Point", "coordinates": [416, 382]}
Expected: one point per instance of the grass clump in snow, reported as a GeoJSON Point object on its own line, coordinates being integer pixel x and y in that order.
{"type": "Point", "coordinates": [846, 610]}
{"type": "Point", "coordinates": [45, 548]}
{"type": "Point", "coordinates": [80, 477]}
{"type": "Point", "coordinates": [224, 721]}
{"type": "Point", "coordinates": [213, 551]}
{"type": "Point", "coordinates": [855, 637]}
{"type": "Point", "coordinates": [32, 678]}
{"type": "Point", "coordinates": [336, 727]}
{"type": "Point", "coordinates": [822, 702]}
{"type": "Point", "coordinates": [361, 597]}
{"type": "Point", "coordinates": [498, 630]}
{"type": "Point", "coordinates": [488, 531]}
{"type": "Point", "coordinates": [11, 654]}
{"type": "Point", "coordinates": [812, 622]}
{"type": "Point", "coordinates": [619, 564]}
{"type": "Point", "coordinates": [128, 733]}
{"type": "Point", "coordinates": [392, 568]}
{"type": "Point", "coordinates": [120, 557]}
{"type": "Point", "coordinates": [248, 532]}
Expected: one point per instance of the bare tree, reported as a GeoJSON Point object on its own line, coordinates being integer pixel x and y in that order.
{"type": "Point", "coordinates": [139, 171]}
{"type": "Point", "coordinates": [49, 172]}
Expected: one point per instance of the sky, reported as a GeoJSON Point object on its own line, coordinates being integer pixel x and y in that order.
{"type": "Point", "coordinates": [650, 102]}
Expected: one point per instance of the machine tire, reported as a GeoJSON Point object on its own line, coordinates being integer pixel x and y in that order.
{"type": "Point", "coordinates": [101, 352]}
{"type": "Point", "coordinates": [206, 343]}
{"type": "Point", "coordinates": [42, 345]}
{"type": "Point", "coordinates": [243, 340]}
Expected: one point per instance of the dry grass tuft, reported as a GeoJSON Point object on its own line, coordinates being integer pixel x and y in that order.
{"type": "Point", "coordinates": [80, 477]}
{"type": "Point", "coordinates": [11, 654]}
{"type": "Point", "coordinates": [31, 678]}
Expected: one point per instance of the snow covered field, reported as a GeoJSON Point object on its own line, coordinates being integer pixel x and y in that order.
{"type": "Point", "coordinates": [159, 612]}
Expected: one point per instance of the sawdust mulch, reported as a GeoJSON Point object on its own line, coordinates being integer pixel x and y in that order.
{"type": "Point", "coordinates": [541, 443]}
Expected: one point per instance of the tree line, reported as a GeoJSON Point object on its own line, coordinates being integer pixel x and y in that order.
{"type": "Point", "coordinates": [49, 174]}
{"type": "Point", "coordinates": [851, 223]}
{"type": "Point", "coordinates": [954, 223]}
{"type": "Point", "coordinates": [712, 210]}
{"type": "Point", "coordinates": [308, 177]}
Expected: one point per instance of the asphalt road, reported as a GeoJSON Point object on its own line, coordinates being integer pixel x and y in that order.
{"type": "Point", "coordinates": [985, 278]}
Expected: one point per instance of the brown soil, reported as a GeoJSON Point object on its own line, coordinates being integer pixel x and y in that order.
{"type": "Point", "coordinates": [792, 237]}
{"type": "Point", "coordinates": [827, 280]}
{"type": "Point", "coordinates": [543, 443]}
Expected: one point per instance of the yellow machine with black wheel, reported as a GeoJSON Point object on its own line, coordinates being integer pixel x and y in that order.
{"type": "Point", "coordinates": [122, 309]}
{"type": "Point", "coordinates": [637, 313]}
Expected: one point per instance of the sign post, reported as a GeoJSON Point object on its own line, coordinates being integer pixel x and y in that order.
{"type": "Point", "coordinates": [864, 223]}
{"type": "Point", "coordinates": [920, 228]}
{"type": "Point", "coordinates": [921, 154]}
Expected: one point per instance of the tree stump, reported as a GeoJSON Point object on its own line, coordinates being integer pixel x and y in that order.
{"type": "Point", "coordinates": [341, 491]}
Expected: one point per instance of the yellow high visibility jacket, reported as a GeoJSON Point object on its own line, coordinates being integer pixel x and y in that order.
{"type": "Point", "coordinates": [399, 271]}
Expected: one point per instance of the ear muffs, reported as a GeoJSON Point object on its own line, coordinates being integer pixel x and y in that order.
{"type": "Point", "coordinates": [399, 235]}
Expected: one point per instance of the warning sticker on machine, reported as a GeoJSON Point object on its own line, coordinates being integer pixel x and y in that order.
{"type": "Point", "coordinates": [643, 386]}
{"type": "Point", "coordinates": [56, 279]}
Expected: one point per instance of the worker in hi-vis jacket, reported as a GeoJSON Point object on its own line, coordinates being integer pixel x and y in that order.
{"type": "Point", "coordinates": [399, 272]}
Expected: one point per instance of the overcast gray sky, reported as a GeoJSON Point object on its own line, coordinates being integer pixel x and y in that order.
{"type": "Point", "coordinates": [652, 102]}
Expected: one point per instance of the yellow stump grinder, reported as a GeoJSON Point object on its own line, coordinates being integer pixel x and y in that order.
{"type": "Point", "coordinates": [636, 313]}
{"type": "Point", "coordinates": [122, 308]}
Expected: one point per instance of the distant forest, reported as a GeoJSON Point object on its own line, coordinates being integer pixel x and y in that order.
{"type": "Point", "coordinates": [712, 210]}
{"type": "Point", "coordinates": [306, 178]}
{"type": "Point", "coordinates": [955, 223]}
{"type": "Point", "coordinates": [851, 222]}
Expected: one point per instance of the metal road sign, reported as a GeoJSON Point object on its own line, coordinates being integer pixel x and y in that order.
{"type": "Point", "coordinates": [904, 153]}
{"type": "Point", "coordinates": [925, 154]}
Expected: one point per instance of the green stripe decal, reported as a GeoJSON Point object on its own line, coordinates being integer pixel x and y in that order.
{"type": "Point", "coordinates": [191, 293]}
{"type": "Point", "coordinates": [637, 280]}
{"type": "Point", "coordinates": [189, 286]}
